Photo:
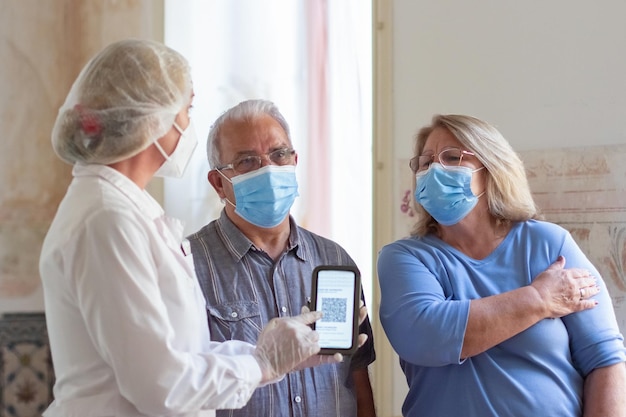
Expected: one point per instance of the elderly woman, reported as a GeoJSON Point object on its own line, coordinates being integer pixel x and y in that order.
{"type": "Point", "coordinates": [478, 302]}
{"type": "Point", "coordinates": [126, 316]}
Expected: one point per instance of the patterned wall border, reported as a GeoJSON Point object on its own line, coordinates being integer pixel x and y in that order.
{"type": "Point", "coordinates": [582, 189]}
{"type": "Point", "coordinates": [26, 374]}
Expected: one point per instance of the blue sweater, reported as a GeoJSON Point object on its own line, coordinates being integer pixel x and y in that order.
{"type": "Point", "coordinates": [426, 288]}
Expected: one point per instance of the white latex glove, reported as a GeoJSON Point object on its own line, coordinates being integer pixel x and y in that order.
{"type": "Point", "coordinates": [337, 357]}
{"type": "Point", "coordinates": [285, 343]}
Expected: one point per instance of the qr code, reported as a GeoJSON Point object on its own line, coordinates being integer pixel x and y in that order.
{"type": "Point", "coordinates": [334, 309]}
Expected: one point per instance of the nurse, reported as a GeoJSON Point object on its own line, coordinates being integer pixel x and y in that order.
{"type": "Point", "coordinates": [126, 316]}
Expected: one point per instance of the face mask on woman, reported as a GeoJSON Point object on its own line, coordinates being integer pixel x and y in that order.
{"type": "Point", "coordinates": [265, 196]}
{"type": "Point", "coordinates": [175, 164]}
{"type": "Point", "coordinates": [446, 193]}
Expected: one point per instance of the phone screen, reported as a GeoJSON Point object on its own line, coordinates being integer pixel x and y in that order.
{"type": "Point", "coordinates": [336, 294]}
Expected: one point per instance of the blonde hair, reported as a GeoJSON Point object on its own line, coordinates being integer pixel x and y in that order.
{"type": "Point", "coordinates": [508, 193]}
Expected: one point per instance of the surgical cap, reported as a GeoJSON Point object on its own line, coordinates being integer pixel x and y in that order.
{"type": "Point", "coordinates": [124, 99]}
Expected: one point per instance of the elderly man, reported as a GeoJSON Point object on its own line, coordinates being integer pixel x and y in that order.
{"type": "Point", "coordinates": [254, 263]}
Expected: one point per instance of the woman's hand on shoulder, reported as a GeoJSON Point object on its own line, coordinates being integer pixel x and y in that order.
{"type": "Point", "coordinates": [565, 290]}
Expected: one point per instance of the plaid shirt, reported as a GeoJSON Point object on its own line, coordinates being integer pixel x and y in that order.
{"type": "Point", "coordinates": [245, 289]}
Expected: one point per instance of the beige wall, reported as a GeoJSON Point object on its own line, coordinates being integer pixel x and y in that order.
{"type": "Point", "coordinates": [43, 46]}
{"type": "Point", "coordinates": [549, 75]}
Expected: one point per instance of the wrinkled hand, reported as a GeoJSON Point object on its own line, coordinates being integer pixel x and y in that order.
{"type": "Point", "coordinates": [317, 360]}
{"type": "Point", "coordinates": [285, 343]}
{"type": "Point", "coordinates": [565, 291]}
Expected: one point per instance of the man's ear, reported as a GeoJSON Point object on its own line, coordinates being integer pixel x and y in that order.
{"type": "Point", "coordinates": [216, 180]}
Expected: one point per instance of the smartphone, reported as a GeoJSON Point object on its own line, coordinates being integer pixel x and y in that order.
{"type": "Point", "coordinates": [336, 292]}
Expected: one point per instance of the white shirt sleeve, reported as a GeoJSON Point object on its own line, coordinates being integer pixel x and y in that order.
{"type": "Point", "coordinates": [141, 311]}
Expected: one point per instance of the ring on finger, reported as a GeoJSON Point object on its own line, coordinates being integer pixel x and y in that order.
{"type": "Point", "coordinates": [582, 293]}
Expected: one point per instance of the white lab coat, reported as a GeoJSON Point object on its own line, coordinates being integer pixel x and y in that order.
{"type": "Point", "coordinates": [125, 313]}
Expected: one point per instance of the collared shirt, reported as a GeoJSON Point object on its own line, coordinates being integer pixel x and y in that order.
{"type": "Point", "coordinates": [125, 314]}
{"type": "Point", "coordinates": [245, 289]}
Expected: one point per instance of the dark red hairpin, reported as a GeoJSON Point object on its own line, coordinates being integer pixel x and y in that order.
{"type": "Point", "coordinates": [89, 122]}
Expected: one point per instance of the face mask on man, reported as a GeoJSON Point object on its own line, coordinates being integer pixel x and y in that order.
{"type": "Point", "coordinates": [175, 164]}
{"type": "Point", "coordinates": [265, 196]}
{"type": "Point", "coordinates": [446, 193]}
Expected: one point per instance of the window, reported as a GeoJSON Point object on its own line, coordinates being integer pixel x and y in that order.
{"type": "Point", "coordinates": [311, 58]}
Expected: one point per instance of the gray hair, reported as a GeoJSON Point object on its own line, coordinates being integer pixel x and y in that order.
{"type": "Point", "coordinates": [508, 193]}
{"type": "Point", "coordinates": [246, 110]}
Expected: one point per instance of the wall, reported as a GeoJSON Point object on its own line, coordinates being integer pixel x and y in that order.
{"type": "Point", "coordinates": [546, 73]}
{"type": "Point", "coordinates": [549, 75]}
{"type": "Point", "coordinates": [43, 46]}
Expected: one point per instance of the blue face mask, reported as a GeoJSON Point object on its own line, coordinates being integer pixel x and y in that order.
{"type": "Point", "coordinates": [265, 196]}
{"type": "Point", "coordinates": [445, 193]}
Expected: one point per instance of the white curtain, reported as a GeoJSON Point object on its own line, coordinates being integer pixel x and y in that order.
{"type": "Point", "coordinates": [313, 59]}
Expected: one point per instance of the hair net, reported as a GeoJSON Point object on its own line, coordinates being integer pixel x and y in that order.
{"type": "Point", "coordinates": [125, 98]}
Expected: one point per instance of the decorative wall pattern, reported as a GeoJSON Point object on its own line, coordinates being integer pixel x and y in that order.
{"type": "Point", "coordinates": [583, 190]}
{"type": "Point", "coordinates": [32, 81]}
{"type": "Point", "coordinates": [43, 46]}
{"type": "Point", "coordinates": [404, 200]}
{"type": "Point", "coordinates": [26, 374]}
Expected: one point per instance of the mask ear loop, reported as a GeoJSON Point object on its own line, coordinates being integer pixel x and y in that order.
{"type": "Point", "coordinates": [161, 150]}
{"type": "Point", "coordinates": [180, 129]}
{"type": "Point", "coordinates": [224, 199]}
{"type": "Point", "coordinates": [224, 176]}
{"type": "Point", "coordinates": [476, 170]}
